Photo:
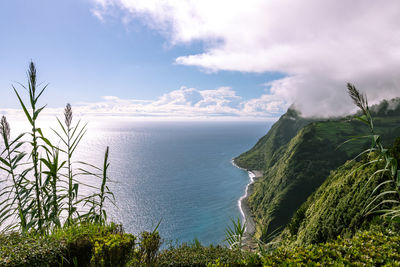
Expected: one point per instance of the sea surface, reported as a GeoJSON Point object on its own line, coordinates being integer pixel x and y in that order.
{"type": "Point", "coordinates": [179, 173]}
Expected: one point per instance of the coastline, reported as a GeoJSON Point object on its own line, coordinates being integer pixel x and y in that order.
{"type": "Point", "coordinates": [243, 200]}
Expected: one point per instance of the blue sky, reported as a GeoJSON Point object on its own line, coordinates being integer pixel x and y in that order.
{"type": "Point", "coordinates": [194, 59]}
{"type": "Point", "coordinates": [84, 58]}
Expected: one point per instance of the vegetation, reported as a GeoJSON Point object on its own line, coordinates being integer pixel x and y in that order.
{"type": "Point", "coordinates": [260, 157]}
{"type": "Point", "coordinates": [70, 137]}
{"type": "Point", "coordinates": [368, 248]}
{"type": "Point", "coordinates": [297, 167]}
{"type": "Point", "coordinates": [235, 233]}
{"type": "Point", "coordinates": [372, 247]}
{"type": "Point", "coordinates": [337, 206]}
{"type": "Point", "coordinates": [94, 245]}
{"type": "Point", "coordinates": [75, 245]}
{"type": "Point", "coordinates": [352, 194]}
{"type": "Point", "coordinates": [45, 221]}
{"type": "Point", "coordinates": [197, 255]}
{"type": "Point", "coordinates": [147, 253]}
{"type": "Point", "coordinates": [34, 182]}
{"type": "Point", "coordinates": [386, 157]}
{"type": "Point", "coordinates": [29, 250]}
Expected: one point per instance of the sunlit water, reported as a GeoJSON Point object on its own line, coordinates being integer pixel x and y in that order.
{"type": "Point", "coordinates": [177, 172]}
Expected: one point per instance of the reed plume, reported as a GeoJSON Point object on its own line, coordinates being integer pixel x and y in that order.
{"type": "Point", "coordinates": [5, 128]}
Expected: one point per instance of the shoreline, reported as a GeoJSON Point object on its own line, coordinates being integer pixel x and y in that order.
{"type": "Point", "coordinates": [243, 200]}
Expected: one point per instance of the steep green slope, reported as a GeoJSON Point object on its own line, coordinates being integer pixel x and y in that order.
{"type": "Point", "coordinates": [337, 207]}
{"type": "Point", "coordinates": [294, 170]}
{"type": "Point", "coordinates": [261, 155]}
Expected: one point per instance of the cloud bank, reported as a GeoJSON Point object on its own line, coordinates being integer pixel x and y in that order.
{"type": "Point", "coordinates": [182, 103]}
{"type": "Point", "coordinates": [318, 45]}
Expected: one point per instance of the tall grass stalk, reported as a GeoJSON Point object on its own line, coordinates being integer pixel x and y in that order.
{"type": "Point", "coordinates": [38, 194]}
{"type": "Point", "coordinates": [95, 201]}
{"type": "Point", "coordinates": [383, 155]}
{"type": "Point", "coordinates": [53, 203]}
{"type": "Point", "coordinates": [70, 136]}
{"type": "Point", "coordinates": [12, 160]}
{"type": "Point", "coordinates": [34, 96]}
{"type": "Point", "coordinates": [234, 234]}
{"type": "Point", "coordinates": [104, 190]}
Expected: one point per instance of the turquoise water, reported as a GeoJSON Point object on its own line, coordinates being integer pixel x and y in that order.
{"type": "Point", "coordinates": [177, 172]}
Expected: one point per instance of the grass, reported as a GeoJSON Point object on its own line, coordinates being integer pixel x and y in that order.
{"type": "Point", "coordinates": [235, 233]}
{"type": "Point", "coordinates": [44, 184]}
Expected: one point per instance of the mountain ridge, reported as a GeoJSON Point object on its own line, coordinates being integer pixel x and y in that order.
{"type": "Point", "coordinates": [298, 154]}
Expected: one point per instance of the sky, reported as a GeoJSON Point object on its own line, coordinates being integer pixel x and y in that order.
{"type": "Point", "coordinates": [200, 59]}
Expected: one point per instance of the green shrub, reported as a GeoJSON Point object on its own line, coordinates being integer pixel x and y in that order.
{"type": "Point", "coordinates": [112, 249]}
{"type": "Point", "coordinates": [29, 250]}
{"type": "Point", "coordinates": [85, 245]}
{"type": "Point", "coordinates": [192, 255]}
{"type": "Point", "coordinates": [146, 253]}
{"type": "Point", "coordinates": [369, 248]}
{"type": "Point", "coordinates": [96, 245]}
{"type": "Point", "coordinates": [251, 260]}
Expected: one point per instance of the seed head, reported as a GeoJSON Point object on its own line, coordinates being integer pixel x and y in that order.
{"type": "Point", "coordinates": [359, 99]}
{"type": "Point", "coordinates": [5, 127]}
{"type": "Point", "coordinates": [32, 76]}
{"type": "Point", "coordinates": [68, 115]}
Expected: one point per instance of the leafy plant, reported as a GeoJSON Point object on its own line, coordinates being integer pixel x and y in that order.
{"type": "Point", "coordinates": [53, 205]}
{"type": "Point", "coordinates": [11, 159]}
{"type": "Point", "coordinates": [70, 136]}
{"type": "Point", "coordinates": [96, 201]}
{"type": "Point", "coordinates": [36, 135]}
{"type": "Point", "coordinates": [234, 234]}
{"type": "Point", "coordinates": [266, 241]}
{"type": "Point", "coordinates": [42, 188]}
{"type": "Point", "coordinates": [146, 254]}
{"type": "Point", "coordinates": [391, 166]}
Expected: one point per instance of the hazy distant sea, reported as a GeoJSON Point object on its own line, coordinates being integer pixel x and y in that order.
{"type": "Point", "coordinates": [177, 172]}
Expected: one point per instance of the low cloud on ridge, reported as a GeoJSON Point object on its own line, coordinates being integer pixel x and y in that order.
{"type": "Point", "coordinates": [319, 45]}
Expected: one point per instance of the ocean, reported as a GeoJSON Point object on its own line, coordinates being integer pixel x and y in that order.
{"type": "Point", "coordinates": [179, 173]}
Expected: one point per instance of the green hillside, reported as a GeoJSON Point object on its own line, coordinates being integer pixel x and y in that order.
{"type": "Point", "coordinates": [260, 156]}
{"type": "Point", "coordinates": [297, 156]}
{"type": "Point", "coordinates": [338, 206]}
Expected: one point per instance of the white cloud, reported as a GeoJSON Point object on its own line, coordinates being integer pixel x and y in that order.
{"type": "Point", "coordinates": [319, 45]}
{"type": "Point", "coordinates": [190, 102]}
{"type": "Point", "coordinates": [181, 103]}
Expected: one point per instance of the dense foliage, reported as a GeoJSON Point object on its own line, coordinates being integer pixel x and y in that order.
{"type": "Point", "coordinates": [29, 250]}
{"type": "Point", "coordinates": [197, 255]}
{"type": "Point", "coordinates": [338, 205]}
{"type": "Point", "coordinates": [84, 245]}
{"type": "Point", "coordinates": [368, 248]}
{"type": "Point", "coordinates": [355, 192]}
{"type": "Point", "coordinates": [375, 247]}
{"type": "Point", "coordinates": [91, 245]}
